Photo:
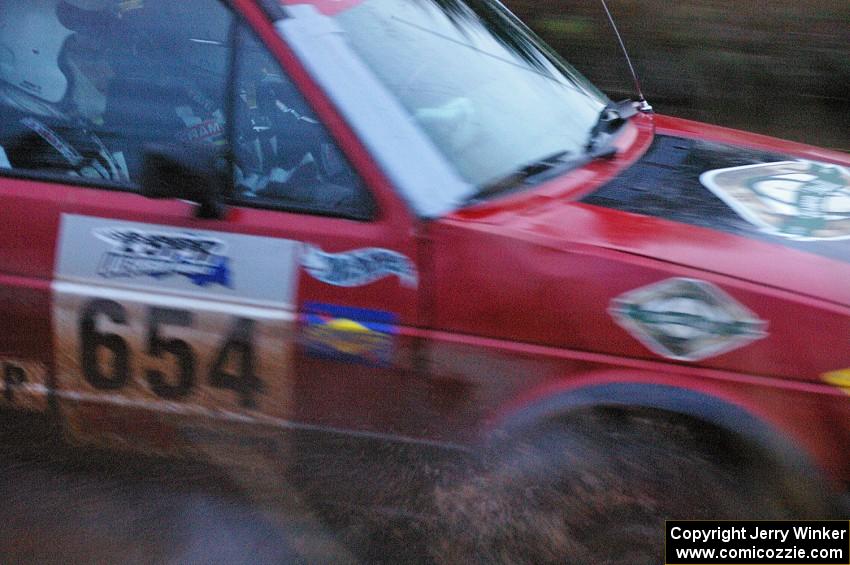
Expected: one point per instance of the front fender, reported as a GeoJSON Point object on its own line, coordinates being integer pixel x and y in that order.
{"type": "Point", "coordinates": [698, 405]}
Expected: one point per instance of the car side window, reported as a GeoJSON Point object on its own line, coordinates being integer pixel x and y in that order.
{"type": "Point", "coordinates": [284, 156]}
{"type": "Point", "coordinates": [83, 90]}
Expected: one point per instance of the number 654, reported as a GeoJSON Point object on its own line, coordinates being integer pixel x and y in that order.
{"type": "Point", "coordinates": [238, 344]}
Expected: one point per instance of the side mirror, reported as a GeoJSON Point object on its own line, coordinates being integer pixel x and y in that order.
{"type": "Point", "coordinates": [188, 172]}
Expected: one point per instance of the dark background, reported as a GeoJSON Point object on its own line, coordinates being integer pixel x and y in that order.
{"type": "Point", "coordinates": [779, 67]}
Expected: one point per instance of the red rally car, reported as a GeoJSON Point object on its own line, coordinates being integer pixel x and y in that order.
{"type": "Point", "coordinates": [409, 223]}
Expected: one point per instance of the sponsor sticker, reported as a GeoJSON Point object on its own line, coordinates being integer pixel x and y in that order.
{"type": "Point", "coordinates": [178, 261]}
{"type": "Point", "coordinates": [839, 378]}
{"type": "Point", "coordinates": [208, 131]}
{"type": "Point", "coordinates": [801, 200]}
{"type": "Point", "coordinates": [686, 319]}
{"type": "Point", "coordinates": [358, 267]}
{"type": "Point", "coordinates": [140, 253]}
{"type": "Point", "coordinates": [352, 335]}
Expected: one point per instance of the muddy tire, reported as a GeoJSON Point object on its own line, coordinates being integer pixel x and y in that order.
{"type": "Point", "coordinates": [597, 489]}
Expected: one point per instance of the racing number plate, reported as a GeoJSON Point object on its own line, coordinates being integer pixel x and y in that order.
{"type": "Point", "coordinates": [194, 355]}
{"type": "Point", "coordinates": [184, 322]}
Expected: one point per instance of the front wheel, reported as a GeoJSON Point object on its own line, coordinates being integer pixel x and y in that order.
{"type": "Point", "coordinates": [597, 487]}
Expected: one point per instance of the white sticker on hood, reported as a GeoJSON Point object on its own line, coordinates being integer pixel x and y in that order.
{"type": "Point", "coordinates": [801, 200]}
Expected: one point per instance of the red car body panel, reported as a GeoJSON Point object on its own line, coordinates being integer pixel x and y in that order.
{"type": "Point", "coordinates": [511, 312]}
{"type": "Point", "coordinates": [575, 258]}
{"type": "Point", "coordinates": [30, 216]}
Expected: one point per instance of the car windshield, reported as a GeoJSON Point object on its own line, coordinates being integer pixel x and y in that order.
{"type": "Point", "coordinates": [492, 97]}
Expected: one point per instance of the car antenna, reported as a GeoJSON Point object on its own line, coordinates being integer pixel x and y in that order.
{"type": "Point", "coordinates": [643, 105]}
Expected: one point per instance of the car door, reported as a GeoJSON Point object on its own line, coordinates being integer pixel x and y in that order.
{"type": "Point", "coordinates": [286, 307]}
{"type": "Point", "coordinates": [29, 219]}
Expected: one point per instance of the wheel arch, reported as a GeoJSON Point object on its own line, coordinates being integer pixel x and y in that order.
{"type": "Point", "coordinates": [699, 407]}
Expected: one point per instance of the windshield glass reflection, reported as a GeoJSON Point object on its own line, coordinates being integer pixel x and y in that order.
{"type": "Point", "coordinates": [490, 96]}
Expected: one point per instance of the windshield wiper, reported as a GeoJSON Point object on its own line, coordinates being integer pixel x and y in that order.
{"type": "Point", "coordinates": [541, 170]}
{"type": "Point", "coordinates": [524, 175]}
{"type": "Point", "coordinates": [610, 119]}
{"type": "Point", "coordinates": [598, 146]}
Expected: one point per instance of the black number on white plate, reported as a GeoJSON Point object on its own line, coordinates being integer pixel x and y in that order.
{"type": "Point", "coordinates": [239, 344]}
{"type": "Point", "coordinates": [92, 340]}
{"type": "Point", "coordinates": [238, 347]}
{"type": "Point", "coordinates": [181, 351]}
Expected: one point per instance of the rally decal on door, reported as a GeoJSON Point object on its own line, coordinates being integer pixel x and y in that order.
{"type": "Point", "coordinates": [180, 321]}
{"type": "Point", "coordinates": [136, 253]}
{"type": "Point", "coordinates": [358, 267]}
{"type": "Point", "coordinates": [350, 335]}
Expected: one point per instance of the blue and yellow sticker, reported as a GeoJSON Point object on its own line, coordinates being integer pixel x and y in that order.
{"type": "Point", "coordinates": [351, 335]}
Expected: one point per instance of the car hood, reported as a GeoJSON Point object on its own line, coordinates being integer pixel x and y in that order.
{"type": "Point", "coordinates": [713, 199]}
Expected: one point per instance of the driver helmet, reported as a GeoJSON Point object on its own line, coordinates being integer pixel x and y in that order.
{"type": "Point", "coordinates": [33, 35]}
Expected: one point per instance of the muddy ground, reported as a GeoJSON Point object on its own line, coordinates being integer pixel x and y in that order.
{"type": "Point", "coordinates": [63, 505]}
